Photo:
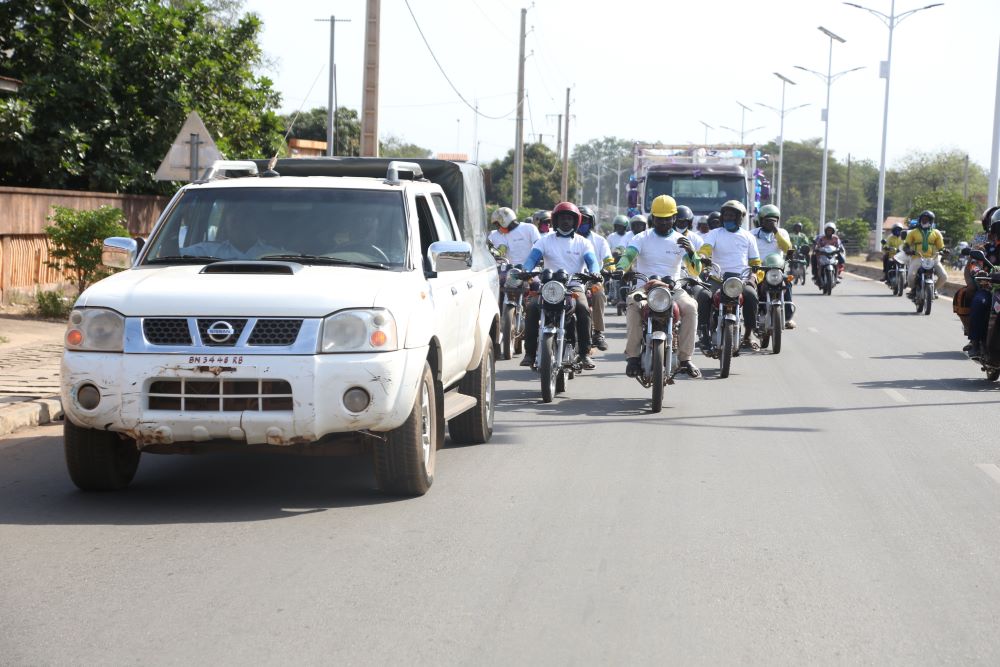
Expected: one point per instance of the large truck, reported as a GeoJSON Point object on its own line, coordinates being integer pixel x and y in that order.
{"type": "Point", "coordinates": [700, 177]}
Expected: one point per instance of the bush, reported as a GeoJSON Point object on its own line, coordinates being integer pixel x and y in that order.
{"type": "Point", "coordinates": [51, 305]}
{"type": "Point", "coordinates": [953, 215]}
{"type": "Point", "coordinates": [854, 232]}
{"type": "Point", "coordinates": [808, 227]}
{"type": "Point", "coordinates": [78, 238]}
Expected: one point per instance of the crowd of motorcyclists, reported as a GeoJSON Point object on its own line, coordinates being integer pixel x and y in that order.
{"type": "Point", "coordinates": [690, 261]}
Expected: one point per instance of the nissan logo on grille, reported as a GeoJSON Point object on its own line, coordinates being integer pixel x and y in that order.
{"type": "Point", "coordinates": [220, 331]}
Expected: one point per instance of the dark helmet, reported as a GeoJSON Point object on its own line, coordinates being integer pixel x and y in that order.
{"type": "Point", "coordinates": [988, 217]}
{"type": "Point", "coordinates": [797, 227]}
{"type": "Point", "coordinates": [925, 214]}
{"type": "Point", "coordinates": [540, 215]}
{"type": "Point", "coordinates": [560, 211]}
{"type": "Point", "coordinates": [994, 230]}
{"type": "Point", "coordinates": [714, 219]}
{"type": "Point", "coordinates": [620, 221]}
{"type": "Point", "coordinates": [684, 214]}
{"type": "Point", "coordinates": [995, 217]}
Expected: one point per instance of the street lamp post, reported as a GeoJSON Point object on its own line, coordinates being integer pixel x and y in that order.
{"type": "Point", "coordinates": [890, 21]}
{"type": "Point", "coordinates": [781, 134]}
{"type": "Point", "coordinates": [743, 115]}
{"type": "Point", "coordinates": [707, 128]}
{"type": "Point", "coordinates": [740, 132]}
{"type": "Point", "coordinates": [829, 77]}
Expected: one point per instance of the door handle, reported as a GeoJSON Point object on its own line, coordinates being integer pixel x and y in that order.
{"type": "Point", "coordinates": [468, 283]}
{"type": "Point", "coordinates": [454, 290]}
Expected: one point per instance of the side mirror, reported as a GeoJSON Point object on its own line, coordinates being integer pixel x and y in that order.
{"type": "Point", "coordinates": [119, 252]}
{"type": "Point", "coordinates": [977, 254]}
{"type": "Point", "coordinates": [449, 256]}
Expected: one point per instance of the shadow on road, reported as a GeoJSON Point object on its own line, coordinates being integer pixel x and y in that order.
{"type": "Point", "coordinates": [880, 313]}
{"type": "Point", "coordinates": [944, 355]}
{"type": "Point", "coordinates": [966, 384]}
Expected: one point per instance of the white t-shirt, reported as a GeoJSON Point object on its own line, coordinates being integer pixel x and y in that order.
{"type": "Point", "coordinates": [564, 252]}
{"type": "Point", "coordinates": [519, 241]}
{"type": "Point", "coordinates": [658, 255]}
{"type": "Point", "coordinates": [601, 247]}
{"type": "Point", "coordinates": [767, 243]}
{"type": "Point", "coordinates": [695, 239]}
{"type": "Point", "coordinates": [616, 240]}
{"type": "Point", "coordinates": [732, 250]}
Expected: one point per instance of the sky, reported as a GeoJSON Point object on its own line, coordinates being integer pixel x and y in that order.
{"type": "Point", "coordinates": [651, 70]}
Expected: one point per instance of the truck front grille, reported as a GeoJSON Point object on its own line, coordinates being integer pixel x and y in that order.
{"type": "Point", "coordinates": [275, 332]}
{"type": "Point", "coordinates": [200, 395]}
{"type": "Point", "coordinates": [221, 331]}
{"type": "Point", "coordinates": [166, 331]}
{"type": "Point", "coordinates": [210, 330]}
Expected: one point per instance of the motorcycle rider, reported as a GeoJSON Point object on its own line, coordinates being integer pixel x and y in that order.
{"type": "Point", "coordinates": [735, 250]}
{"type": "Point", "coordinates": [771, 238]}
{"type": "Point", "coordinates": [513, 239]}
{"type": "Point", "coordinates": [799, 238]}
{"type": "Point", "coordinates": [684, 223]}
{"type": "Point", "coordinates": [703, 227]}
{"type": "Point", "coordinates": [714, 220]}
{"type": "Point", "coordinates": [637, 223]}
{"type": "Point", "coordinates": [924, 242]}
{"type": "Point", "coordinates": [662, 251]}
{"type": "Point", "coordinates": [890, 246]}
{"type": "Point", "coordinates": [562, 249]}
{"type": "Point", "coordinates": [543, 221]}
{"type": "Point", "coordinates": [618, 240]}
{"type": "Point", "coordinates": [979, 308]}
{"type": "Point", "coordinates": [588, 230]}
{"type": "Point", "coordinates": [828, 238]}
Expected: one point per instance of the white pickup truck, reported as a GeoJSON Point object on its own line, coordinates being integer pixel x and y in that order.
{"type": "Point", "coordinates": [329, 305]}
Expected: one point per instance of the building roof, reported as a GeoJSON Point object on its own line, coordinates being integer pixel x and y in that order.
{"type": "Point", "coordinates": [892, 220]}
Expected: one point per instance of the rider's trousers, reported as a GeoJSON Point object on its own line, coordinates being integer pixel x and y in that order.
{"type": "Point", "coordinates": [688, 326]}
{"type": "Point", "coordinates": [911, 279]}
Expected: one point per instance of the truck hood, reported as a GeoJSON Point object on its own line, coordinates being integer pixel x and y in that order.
{"type": "Point", "coordinates": [312, 291]}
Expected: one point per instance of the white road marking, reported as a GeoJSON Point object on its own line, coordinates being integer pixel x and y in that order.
{"type": "Point", "coordinates": [845, 355]}
{"type": "Point", "coordinates": [990, 469]}
{"type": "Point", "coordinates": [813, 330]}
{"type": "Point", "coordinates": [895, 395]}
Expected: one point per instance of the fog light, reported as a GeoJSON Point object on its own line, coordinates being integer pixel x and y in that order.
{"type": "Point", "coordinates": [88, 396]}
{"type": "Point", "coordinates": [356, 399]}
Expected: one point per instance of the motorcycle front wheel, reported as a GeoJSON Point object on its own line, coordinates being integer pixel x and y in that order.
{"type": "Point", "coordinates": [507, 333]}
{"type": "Point", "coordinates": [726, 353]}
{"type": "Point", "coordinates": [656, 376]}
{"type": "Point", "coordinates": [777, 324]}
{"type": "Point", "coordinates": [548, 368]}
{"type": "Point", "coordinates": [928, 297]}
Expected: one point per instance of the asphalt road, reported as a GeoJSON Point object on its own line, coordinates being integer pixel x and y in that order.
{"type": "Point", "coordinates": [836, 503]}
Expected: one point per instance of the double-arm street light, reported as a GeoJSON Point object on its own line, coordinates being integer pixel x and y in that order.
{"type": "Point", "coordinates": [740, 131]}
{"type": "Point", "coordinates": [707, 128]}
{"type": "Point", "coordinates": [829, 78]}
{"type": "Point", "coordinates": [890, 20]}
{"type": "Point", "coordinates": [781, 133]}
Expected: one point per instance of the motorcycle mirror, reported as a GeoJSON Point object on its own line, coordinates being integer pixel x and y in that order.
{"type": "Point", "coordinates": [977, 254]}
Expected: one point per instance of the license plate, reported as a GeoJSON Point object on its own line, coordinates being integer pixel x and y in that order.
{"type": "Point", "coordinates": [216, 359]}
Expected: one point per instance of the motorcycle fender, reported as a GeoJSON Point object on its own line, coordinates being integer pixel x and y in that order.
{"type": "Point", "coordinates": [658, 335]}
{"type": "Point", "coordinates": [550, 330]}
{"type": "Point", "coordinates": [730, 317]}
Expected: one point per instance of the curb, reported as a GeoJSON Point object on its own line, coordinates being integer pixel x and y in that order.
{"type": "Point", "coordinates": [876, 274]}
{"type": "Point", "coordinates": [29, 413]}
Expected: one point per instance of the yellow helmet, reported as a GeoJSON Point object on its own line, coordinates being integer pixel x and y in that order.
{"type": "Point", "coordinates": [664, 206]}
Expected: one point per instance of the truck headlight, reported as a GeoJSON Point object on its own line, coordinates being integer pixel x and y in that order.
{"type": "Point", "coordinates": [95, 330]}
{"type": "Point", "coordinates": [359, 331]}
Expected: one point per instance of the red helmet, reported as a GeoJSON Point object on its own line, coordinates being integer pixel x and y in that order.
{"type": "Point", "coordinates": [562, 207]}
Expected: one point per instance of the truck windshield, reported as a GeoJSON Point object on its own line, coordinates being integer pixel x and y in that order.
{"type": "Point", "coordinates": [249, 223]}
{"type": "Point", "coordinates": [703, 194]}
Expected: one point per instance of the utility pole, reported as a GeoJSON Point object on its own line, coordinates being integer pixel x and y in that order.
{"type": "Point", "coordinates": [564, 190]}
{"type": "Point", "coordinates": [519, 138]}
{"type": "Point", "coordinates": [995, 148]}
{"type": "Point", "coordinates": [849, 198]}
{"type": "Point", "coordinates": [331, 98]}
{"type": "Point", "coordinates": [558, 132]}
{"type": "Point", "coordinates": [965, 186]}
{"type": "Point", "coordinates": [369, 96]}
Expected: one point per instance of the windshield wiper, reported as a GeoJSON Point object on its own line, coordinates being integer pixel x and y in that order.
{"type": "Point", "coordinates": [184, 259]}
{"type": "Point", "coordinates": [320, 259]}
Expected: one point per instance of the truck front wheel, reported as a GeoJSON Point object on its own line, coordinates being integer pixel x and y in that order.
{"type": "Point", "coordinates": [404, 462]}
{"type": "Point", "coordinates": [99, 460]}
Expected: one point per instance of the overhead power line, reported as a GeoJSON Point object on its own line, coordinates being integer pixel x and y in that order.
{"type": "Point", "coordinates": [445, 75]}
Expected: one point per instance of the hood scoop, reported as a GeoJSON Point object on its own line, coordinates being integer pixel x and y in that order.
{"type": "Point", "coordinates": [254, 267]}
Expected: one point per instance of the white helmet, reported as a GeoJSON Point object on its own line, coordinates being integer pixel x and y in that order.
{"type": "Point", "coordinates": [830, 225]}
{"type": "Point", "coordinates": [503, 217]}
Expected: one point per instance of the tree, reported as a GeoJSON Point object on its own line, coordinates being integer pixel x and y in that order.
{"type": "Point", "coordinates": [77, 239]}
{"type": "Point", "coordinates": [953, 214]}
{"type": "Point", "coordinates": [922, 172]}
{"type": "Point", "coordinates": [107, 85]}
{"type": "Point", "coordinates": [854, 233]}
{"type": "Point", "coordinates": [598, 160]}
{"type": "Point", "coordinates": [311, 125]}
{"type": "Point", "coordinates": [542, 178]}
{"type": "Point", "coordinates": [394, 146]}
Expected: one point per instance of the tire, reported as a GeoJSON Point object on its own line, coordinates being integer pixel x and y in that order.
{"type": "Point", "coordinates": [519, 331]}
{"type": "Point", "coordinates": [507, 333]}
{"type": "Point", "coordinates": [561, 382]}
{"type": "Point", "coordinates": [726, 353]}
{"type": "Point", "coordinates": [827, 282]}
{"type": "Point", "coordinates": [928, 297]}
{"type": "Point", "coordinates": [778, 325]}
{"type": "Point", "coordinates": [99, 460]}
{"type": "Point", "coordinates": [404, 463]}
{"type": "Point", "coordinates": [621, 308]}
{"type": "Point", "coordinates": [656, 351]}
{"type": "Point", "coordinates": [547, 368]}
{"type": "Point", "coordinates": [475, 426]}
{"type": "Point", "coordinates": [991, 376]}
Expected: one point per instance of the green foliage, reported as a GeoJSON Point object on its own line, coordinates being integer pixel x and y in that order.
{"type": "Point", "coordinates": [808, 226]}
{"type": "Point", "coordinates": [954, 215]}
{"type": "Point", "coordinates": [51, 305]}
{"type": "Point", "coordinates": [854, 233]}
{"type": "Point", "coordinates": [397, 147]}
{"type": "Point", "coordinates": [107, 85]}
{"type": "Point", "coordinates": [311, 125]}
{"type": "Point", "coordinates": [921, 173]}
{"type": "Point", "coordinates": [599, 159]}
{"type": "Point", "coordinates": [542, 178]}
{"type": "Point", "coordinates": [77, 240]}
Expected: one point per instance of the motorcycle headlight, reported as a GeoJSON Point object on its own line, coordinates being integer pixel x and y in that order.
{"type": "Point", "coordinates": [774, 277]}
{"type": "Point", "coordinates": [927, 263]}
{"type": "Point", "coordinates": [512, 281]}
{"type": "Point", "coordinates": [553, 292]}
{"type": "Point", "coordinates": [95, 330]}
{"type": "Point", "coordinates": [659, 299]}
{"type": "Point", "coordinates": [359, 331]}
{"type": "Point", "coordinates": [732, 287]}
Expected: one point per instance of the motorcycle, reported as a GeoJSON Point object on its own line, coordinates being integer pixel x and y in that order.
{"type": "Point", "coordinates": [989, 280]}
{"type": "Point", "coordinates": [612, 287]}
{"type": "Point", "coordinates": [660, 323]}
{"type": "Point", "coordinates": [923, 291]}
{"type": "Point", "coordinates": [514, 290]}
{"type": "Point", "coordinates": [771, 309]}
{"type": "Point", "coordinates": [826, 268]}
{"type": "Point", "coordinates": [556, 358]}
{"type": "Point", "coordinates": [797, 265]}
{"type": "Point", "coordinates": [897, 273]}
{"type": "Point", "coordinates": [726, 325]}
